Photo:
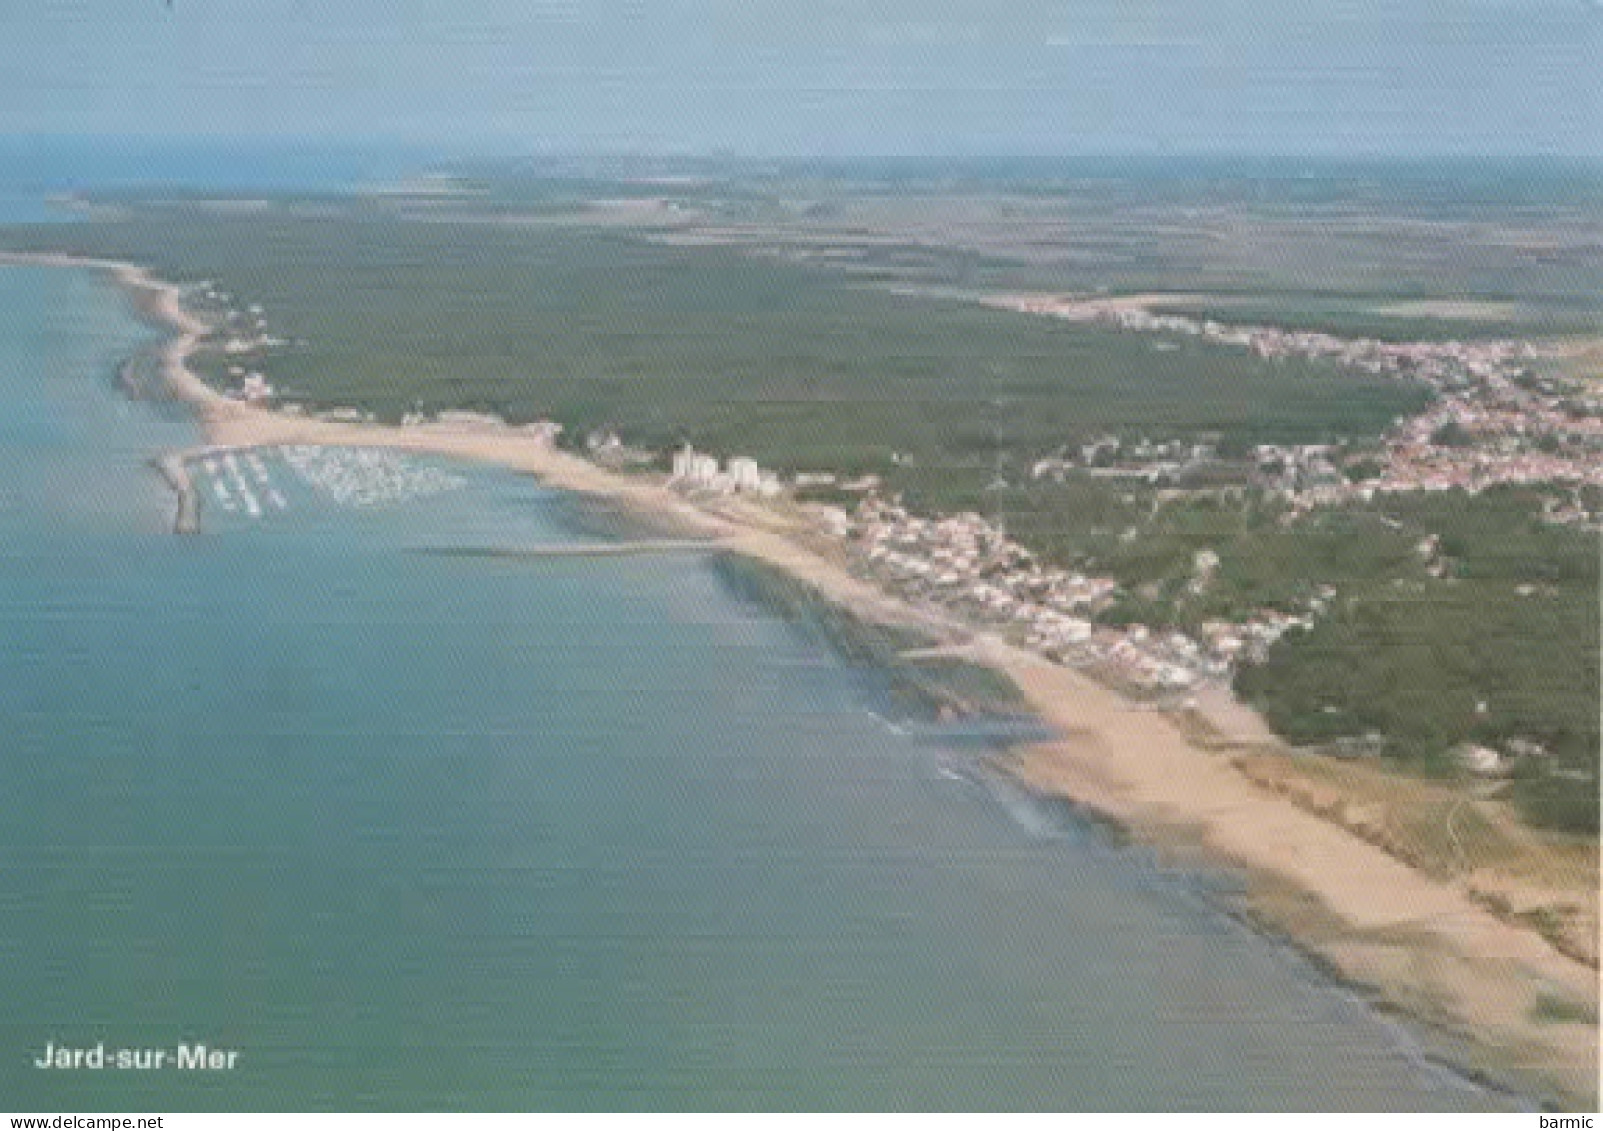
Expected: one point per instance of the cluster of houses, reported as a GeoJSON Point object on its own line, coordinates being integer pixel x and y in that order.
{"type": "Point", "coordinates": [1439, 362]}
{"type": "Point", "coordinates": [251, 387]}
{"type": "Point", "coordinates": [1312, 472]}
{"type": "Point", "coordinates": [1154, 461]}
{"type": "Point", "coordinates": [1492, 423]}
{"type": "Point", "coordinates": [969, 565]}
{"type": "Point", "coordinates": [1500, 431]}
{"type": "Point", "coordinates": [542, 432]}
{"type": "Point", "coordinates": [1307, 474]}
{"type": "Point", "coordinates": [244, 333]}
{"type": "Point", "coordinates": [607, 448]}
{"type": "Point", "coordinates": [244, 330]}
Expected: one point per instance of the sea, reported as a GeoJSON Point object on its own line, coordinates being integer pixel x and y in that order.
{"type": "Point", "coordinates": [412, 830]}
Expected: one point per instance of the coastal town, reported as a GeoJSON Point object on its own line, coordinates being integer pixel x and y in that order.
{"type": "Point", "coordinates": [857, 543]}
{"type": "Point", "coordinates": [1495, 417]}
{"type": "Point", "coordinates": [968, 566]}
{"type": "Point", "coordinates": [760, 556]}
{"type": "Point", "coordinates": [1492, 420]}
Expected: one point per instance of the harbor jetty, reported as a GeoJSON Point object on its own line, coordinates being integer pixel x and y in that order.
{"type": "Point", "coordinates": [186, 517]}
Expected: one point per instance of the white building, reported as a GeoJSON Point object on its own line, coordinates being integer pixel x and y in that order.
{"type": "Point", "coordinates": [254, 389]}
{"type": "Point", "coordinates": [746, 474]}
{"type": "Point", "coordinates": [469, 421]}
{"type": "Point", "coordinates": [694, 468]}
{"type": "Point", "coordinates": [543, 432]}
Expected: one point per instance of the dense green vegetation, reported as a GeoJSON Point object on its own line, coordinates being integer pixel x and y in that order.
{"type": "Point", "coordinates": [795, 366]}
{"type": "Point", "coordinates": [1503, 646]}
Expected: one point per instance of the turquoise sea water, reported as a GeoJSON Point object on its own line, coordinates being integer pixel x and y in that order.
{"type": "Point", "coordinates": [423, 831]}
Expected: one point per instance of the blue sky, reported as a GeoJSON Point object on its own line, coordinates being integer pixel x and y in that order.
{"type": "Point", "coordinates": [820, 76]}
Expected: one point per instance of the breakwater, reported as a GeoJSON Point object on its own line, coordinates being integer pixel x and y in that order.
{"type": "Point", "coordinates": [186, 515]}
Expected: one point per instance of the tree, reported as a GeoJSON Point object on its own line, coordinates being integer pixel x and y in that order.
{"type": "Point", "coordinates": [1452, 435]}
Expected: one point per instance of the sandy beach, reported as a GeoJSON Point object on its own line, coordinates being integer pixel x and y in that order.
{"type": "Point", "coordinates": [1418, 945]}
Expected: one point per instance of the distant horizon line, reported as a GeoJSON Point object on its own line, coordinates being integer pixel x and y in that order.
{"type": "Point", "coordinates": [511, 151]}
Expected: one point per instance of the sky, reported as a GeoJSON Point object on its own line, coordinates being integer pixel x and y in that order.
{"type": "Point", "coordinates": [819, 77]}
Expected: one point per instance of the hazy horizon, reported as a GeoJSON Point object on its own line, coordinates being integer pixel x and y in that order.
{"type": "Point", "coordinates": [941, 78]}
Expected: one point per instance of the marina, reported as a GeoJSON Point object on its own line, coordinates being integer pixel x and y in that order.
{"type": "Point", "coordinates": [253, 482]}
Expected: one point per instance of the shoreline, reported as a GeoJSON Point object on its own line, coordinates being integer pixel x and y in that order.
{"type": "Point", "coordinates": [1410, 944]}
